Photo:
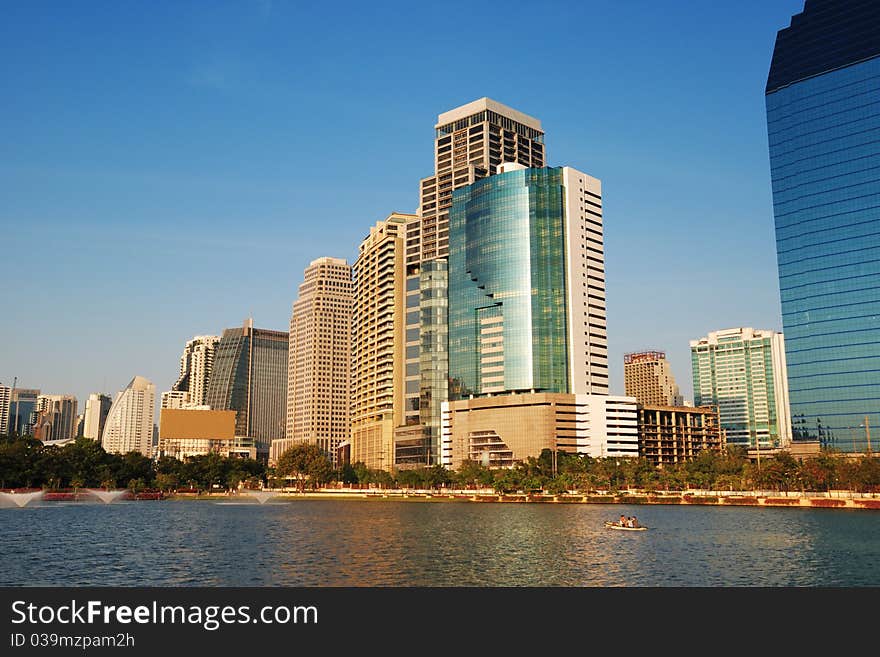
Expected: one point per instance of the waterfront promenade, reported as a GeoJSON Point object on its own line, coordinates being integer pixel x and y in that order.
{"type": "Point", "coordinates": [835, 499]}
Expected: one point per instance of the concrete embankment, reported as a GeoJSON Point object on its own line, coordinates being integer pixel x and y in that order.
{"type": "Point", "coordinates": [832, 500]}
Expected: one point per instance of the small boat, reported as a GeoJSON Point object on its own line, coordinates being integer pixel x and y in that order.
{"type": "Point", "coordinates": [614, 525]}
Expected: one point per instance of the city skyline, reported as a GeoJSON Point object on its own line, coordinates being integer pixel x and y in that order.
{"type": "Point", "coordinates": [667, 181]}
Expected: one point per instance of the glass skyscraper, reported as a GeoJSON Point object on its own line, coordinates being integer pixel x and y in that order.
{"type": "Point", "coordinates": [823, 125]}
{"type": "Point", "coordinates": [249, 377]}
{"type": "Point", "coordinates": [527, 284]}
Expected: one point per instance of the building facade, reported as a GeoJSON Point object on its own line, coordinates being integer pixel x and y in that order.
{"type": "Point", "coordinates": [470, 142]}
{"type": "Point", "coordinates": [56, 418]}
{"type": "Point", "coordinates": [527, 285]}
{"type": "Point", "coordinates": [319, 366]}
{"type": "Point", "coordinates": [741, 372]}
{"type": "Point", "coordinates": [672, 434]}
{"type": "Point", "coordinates": [249, 376]}
{"type": "Point", "coordinates": [184, 433]}
{"type": "Point", "coordinates": [5, 403]}
{"type": "Point", "coordinates": [23, 411]}
{"type": "Point", "coordinates": [500, 431]}
{"type": "Point", "coordinates": [129, 423]}
{"type": "Point", "coordinates": [822, 126]}
{"type": "Point", "coordinates": [196, 364]}
{"type": "Point", "coordinates": [97, 407]}
{"type": "Point", "coordinates": [379, 339]}
{"type": "Point", "coordinates": [648, 377]}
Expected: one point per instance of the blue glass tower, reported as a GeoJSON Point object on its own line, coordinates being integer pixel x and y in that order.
{"type": "Point", "coordinates": [527, 285]}
{"type": "Point", "coordinates": [823, 125]}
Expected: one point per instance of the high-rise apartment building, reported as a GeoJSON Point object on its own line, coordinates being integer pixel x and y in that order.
{"type": "Point", "coordinates": [822, 126]}
{"type": "Point", "coordinates": [648, 377]}
{"type": "Point", "coordinates": [319, 365]}
{"type": "Point", "coordinates": [741, 372]}
{"type": "Point", "coordinates": [56, 417]}
{"type": "Point", "coordinates": [22, 411]}
{"type": "Point", "coordinates": [527, 284]}
{"type": "Point", "coordinates": [196, 364]}
{"type": "Point", "coordinates": [249, 376]}
{"type": "Point", "coordinates": [97, 408]}
{"type": "Point", "coordinates": [379, 339]}
{"type": "Point", "coordinates": [5, 403]}
{"type": "Point", "coordinates": [470, 142]}
{"type": "Point", "coordinates": [129, 423]}
{"type": "Point", "coordinates": [176, 399]}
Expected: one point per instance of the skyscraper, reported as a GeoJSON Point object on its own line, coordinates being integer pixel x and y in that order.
{"type": "Point", "coordinates": [56, 418]}
{"type": "Point", "coordinates": [527, 284]}
{"type": "Point", "coordinates": [97, 407]}
{"type": "Point", "coordinates": [528, 354]}
{"type": "Point", "coordinates": [648, 377]}
{"type": "Point", "coordinates": [470, 142]}
{"type": "Point", "coordinates": [319, 366]}
{"type": "Point", "coordinates": [379, 342]}
{"type": "Point", "coordinates": [742, 372]}
{"type": "Point", "coordinates": [129, 424]}
{"type": "Point", "coordinates": [22, 411]}
{"type": "Point", "coordinates": [196, 363]}
{"type": "Point", "coordinates": [823, 123]}
{"type": "Point", "coordinates": [5, 403]}
{"type": "Point", "coordinates": [249, 377]}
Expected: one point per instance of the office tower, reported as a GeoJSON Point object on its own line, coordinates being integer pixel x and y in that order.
{"type": "Point", "coordinates": [379, 340]}
{"type": "Point", "coordinates": [129, 423]}
{"type": "Point", "coordinates": [319, 365]}
{"type": "Point", "coordinates": [528, 361]}
{"type": "Point", "coordinates": [249, 377]}
{"type": "Point", "coordinates": [22, 411]}
{"type": "Point", "coordinates": [470, 142]}
{"type": "Point", "coordinates": [822, 119]}
{"type": "Point", "coordinates": [195, 368]}
{"type": "Point", "coordinates": [527, 285]}
{"type": "Point", "coordinates": [433, 352]}
{"type": "Point", "coordinates": [97, 408]}
{"type": "Point", "coordinates": [741, 371]}
{"type": "Point", "coordinates": [672, 434]}
{"type": "Point", "coordinates": [5, 403]}
{"type": "Point", "coordinates": [56, 417]}
{"type": "Point", "coordinates": [648, 377]}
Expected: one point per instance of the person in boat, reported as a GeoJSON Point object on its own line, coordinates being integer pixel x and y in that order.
{"type": "Point", "coordinates": [632, 522]}
{"type": "Point", "coordinates": [622, 521]}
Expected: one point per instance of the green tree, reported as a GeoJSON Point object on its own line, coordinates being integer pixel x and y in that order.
{"type": "Point", "coordinates": [306, 464]}
{"type": "Point", "coordinates": [473, 473]}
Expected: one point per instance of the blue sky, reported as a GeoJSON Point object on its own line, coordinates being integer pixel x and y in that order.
{"type": "Point", "coordinates": [169, 169]}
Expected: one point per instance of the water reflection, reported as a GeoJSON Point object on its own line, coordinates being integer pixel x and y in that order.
{"type": "Point", "coordinates": [406, 543]}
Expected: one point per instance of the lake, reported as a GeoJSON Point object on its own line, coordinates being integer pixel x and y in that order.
{"type": "Point", "coordinates": [415, 543]}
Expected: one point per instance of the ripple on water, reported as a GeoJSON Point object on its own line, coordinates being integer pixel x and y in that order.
{"type": "Point", "coordinates": [390, 543]}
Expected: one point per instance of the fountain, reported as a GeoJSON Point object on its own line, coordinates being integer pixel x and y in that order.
{"type": "Point", "coordinates": [262, 496]}
{"type": "Point", "coordinates": [21, 499]}
{"type": "Point", "coordinates": [107, 496]}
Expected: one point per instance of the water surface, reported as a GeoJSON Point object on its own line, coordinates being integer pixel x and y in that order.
{"type": "Point", "coordinates": [412, 543]}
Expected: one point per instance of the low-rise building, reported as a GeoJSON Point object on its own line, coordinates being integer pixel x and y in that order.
{"type": "Point", "coordinates": [501, 430]}
{"type": "Point", "coordinates": [184, 433]}
{"type": "Point", "coordinates": [672, 434]}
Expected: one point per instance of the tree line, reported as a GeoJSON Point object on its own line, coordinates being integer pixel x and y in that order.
{"type": "Point", "coordinates": [28, 463]}
{"type": "Point", "coordinates": [730, 469]}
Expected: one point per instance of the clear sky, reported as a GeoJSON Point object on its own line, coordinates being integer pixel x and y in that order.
{"type": "Point", "coordinates": [168, 169]}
